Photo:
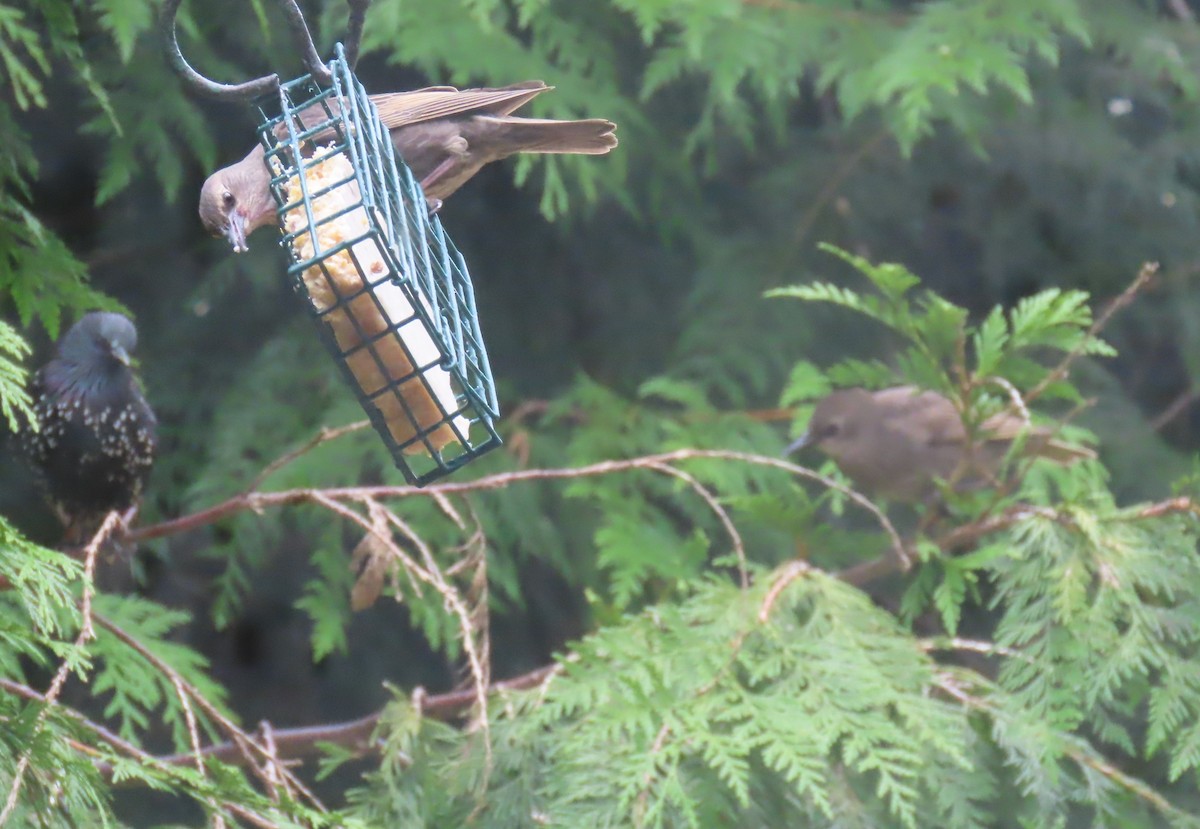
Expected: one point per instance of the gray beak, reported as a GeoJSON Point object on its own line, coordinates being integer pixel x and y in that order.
{"type": "Point", "coordinates": [235, 232]}
{"type": "Point", "coordinates": [120, 354]}
{"type": "Point", "coordinates": [798, 444]}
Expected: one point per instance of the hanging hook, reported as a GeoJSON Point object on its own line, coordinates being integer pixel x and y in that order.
{"type": "Point", "coordinates": [354, 30]}
{"type": "Point", "coordinates": [267, 83]}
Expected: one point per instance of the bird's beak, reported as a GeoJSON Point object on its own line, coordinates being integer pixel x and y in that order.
{"type": "Point", "coordinates": [235, 232]}
{"type": "Point", "coordinates": [799, 443]}
{"type": "Point", "coordinates": [120, 354]}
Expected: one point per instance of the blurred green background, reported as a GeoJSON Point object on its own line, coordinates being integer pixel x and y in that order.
{"type": "Point", "coordinates": [1054, 145]}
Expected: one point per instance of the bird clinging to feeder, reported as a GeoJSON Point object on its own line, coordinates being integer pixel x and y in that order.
{"type": "Point", "coordinates": [445, 135]}
{"type": "Point", "coordinates": [95, 441]}
{"type": "Point", "coordinates": [366, 253]}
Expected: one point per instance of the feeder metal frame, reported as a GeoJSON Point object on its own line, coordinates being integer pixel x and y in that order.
{"type": "Point", "coordinates": [314, 122]}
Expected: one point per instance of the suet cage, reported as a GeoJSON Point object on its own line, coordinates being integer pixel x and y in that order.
{"type": "Point", "coordinates": [388, 290]}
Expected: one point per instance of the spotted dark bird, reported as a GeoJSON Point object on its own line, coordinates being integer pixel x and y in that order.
{"type": "Point", "coordinates": [95, 445]}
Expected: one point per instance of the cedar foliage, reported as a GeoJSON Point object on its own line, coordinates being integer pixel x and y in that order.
{"type": "Point", "coordinates": [1039, 674]}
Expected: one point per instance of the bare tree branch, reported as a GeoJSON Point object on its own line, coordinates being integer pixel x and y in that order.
{"type": "Point", "coordinates": [262, 500]}
{"type": "Point", "coordinates": [300, 743]}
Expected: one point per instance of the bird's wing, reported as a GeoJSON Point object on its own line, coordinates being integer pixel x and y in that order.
{"type": "Point", "coordinates": [924, 417]}
{"type": "Point", "coordinates": [1007, 426]}
{"type": "Point", "coordinates": [1040, 440]}
{"type": "Point", "coordinates": [399, 109]}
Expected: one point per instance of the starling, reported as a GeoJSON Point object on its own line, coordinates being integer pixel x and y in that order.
{"type": "Point", "coordinates": [897, 442]}
{"type": "Point", "coordinates": [444, 134]}
{"type": "Point", "coordinates": [95, 445]}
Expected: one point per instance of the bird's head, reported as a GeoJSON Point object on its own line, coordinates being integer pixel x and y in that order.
{"type": "Point", "coordinates": [100, 340]}
{"type": "Point", "coordinates": [236, 201]}
{"type": "Point", "coordinates": [836, 422]}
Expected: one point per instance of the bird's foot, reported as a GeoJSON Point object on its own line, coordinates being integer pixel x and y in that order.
{"type": "Point", "coordinates": [434, 206]}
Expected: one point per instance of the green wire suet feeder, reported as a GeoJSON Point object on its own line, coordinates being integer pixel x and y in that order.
{"type": "Point", "coordinates": [390, 292]}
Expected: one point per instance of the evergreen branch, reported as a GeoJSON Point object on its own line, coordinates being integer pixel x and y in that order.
{"type": "Point", "coordinates": [86, 634]}
{"type": "Point", "coordinates": [130, 750]}
{"type": "Point", "coordinates": [246, 744]}
{"type": "Point", "coordinates": [957, 538]}
{"type": "Point", "coordinates": [104, 734]}
{"type": "Point", "coordinates": [256, 501]}
{"type": "Point", "coordinates": [121, 745]}
{"type": "Point", "coordinates": [1172, 505]}
{"type": "Point", "coordinates": [1077, 750]}
{"type": "Point", "coordinates": [306, 741]}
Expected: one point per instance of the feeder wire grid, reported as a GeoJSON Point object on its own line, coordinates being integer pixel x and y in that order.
{"type": "Point", "coordinates": [389, 290]}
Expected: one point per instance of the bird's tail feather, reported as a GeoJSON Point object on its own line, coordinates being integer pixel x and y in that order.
{"type": "Point", "coordinates": [591, 136]}
{"type": "Point", "coordinates": [1065, 453]}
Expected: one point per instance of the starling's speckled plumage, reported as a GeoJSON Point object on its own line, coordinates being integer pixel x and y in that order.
{"type": "Point", "coordinates": [96, 440]}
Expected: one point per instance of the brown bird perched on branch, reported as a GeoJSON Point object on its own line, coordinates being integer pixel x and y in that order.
{"type": "Point", "coordinates": [895, 443]}
{"type": "Point", "coordinates": [444, 134]}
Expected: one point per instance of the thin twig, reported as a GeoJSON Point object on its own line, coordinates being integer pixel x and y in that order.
{"type": "Point", "coordinates": [432, 575]}
{"type": "Point", "coordinates": [735, 537]}
{"type": "Point", "coordinates": [1181, 504]}
{"type": "Point", "coordinates": [261, 500]}
{"type": "Point", "coordinates": [1177, 407]}
{"type": "Point", "coordinates": [1141, 281]}
{"type": "Point", "coordinates": [325, 435]}
{"type": "Point", "coordinates": [954, 643]}
{"type": "Point", "coordinates": [790, 572]}
{"type": "Point", "coordinates": [355, 735]}
{"type": "Point", "coordinates": [478, 666]}
{"type": "Point", "coordinates": [123, 746]}
{"type": "Point", "coordinates": [830, 189]}
{"type": "Point", "coordinates": [1014, 397]}
{"type": "Point", "coordinates": [189, 717]}
{"type": "Point", "coordinates": [660, 740]}
{"type": "Point", "coordinates": [104, 734]}
{"type": "Point", "coordinates": [1182, 10]}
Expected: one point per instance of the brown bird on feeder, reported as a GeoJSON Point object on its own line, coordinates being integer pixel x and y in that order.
{"type": "Point", "coordinates": [895, 443]}
{"type": "Point", "coordinates": [444, 134]}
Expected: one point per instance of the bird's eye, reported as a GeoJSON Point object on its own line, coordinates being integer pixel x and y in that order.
{"type": "Point", "coordinates": [829, 429]}
{"type": "Point", "coordinates": [228, 199]}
